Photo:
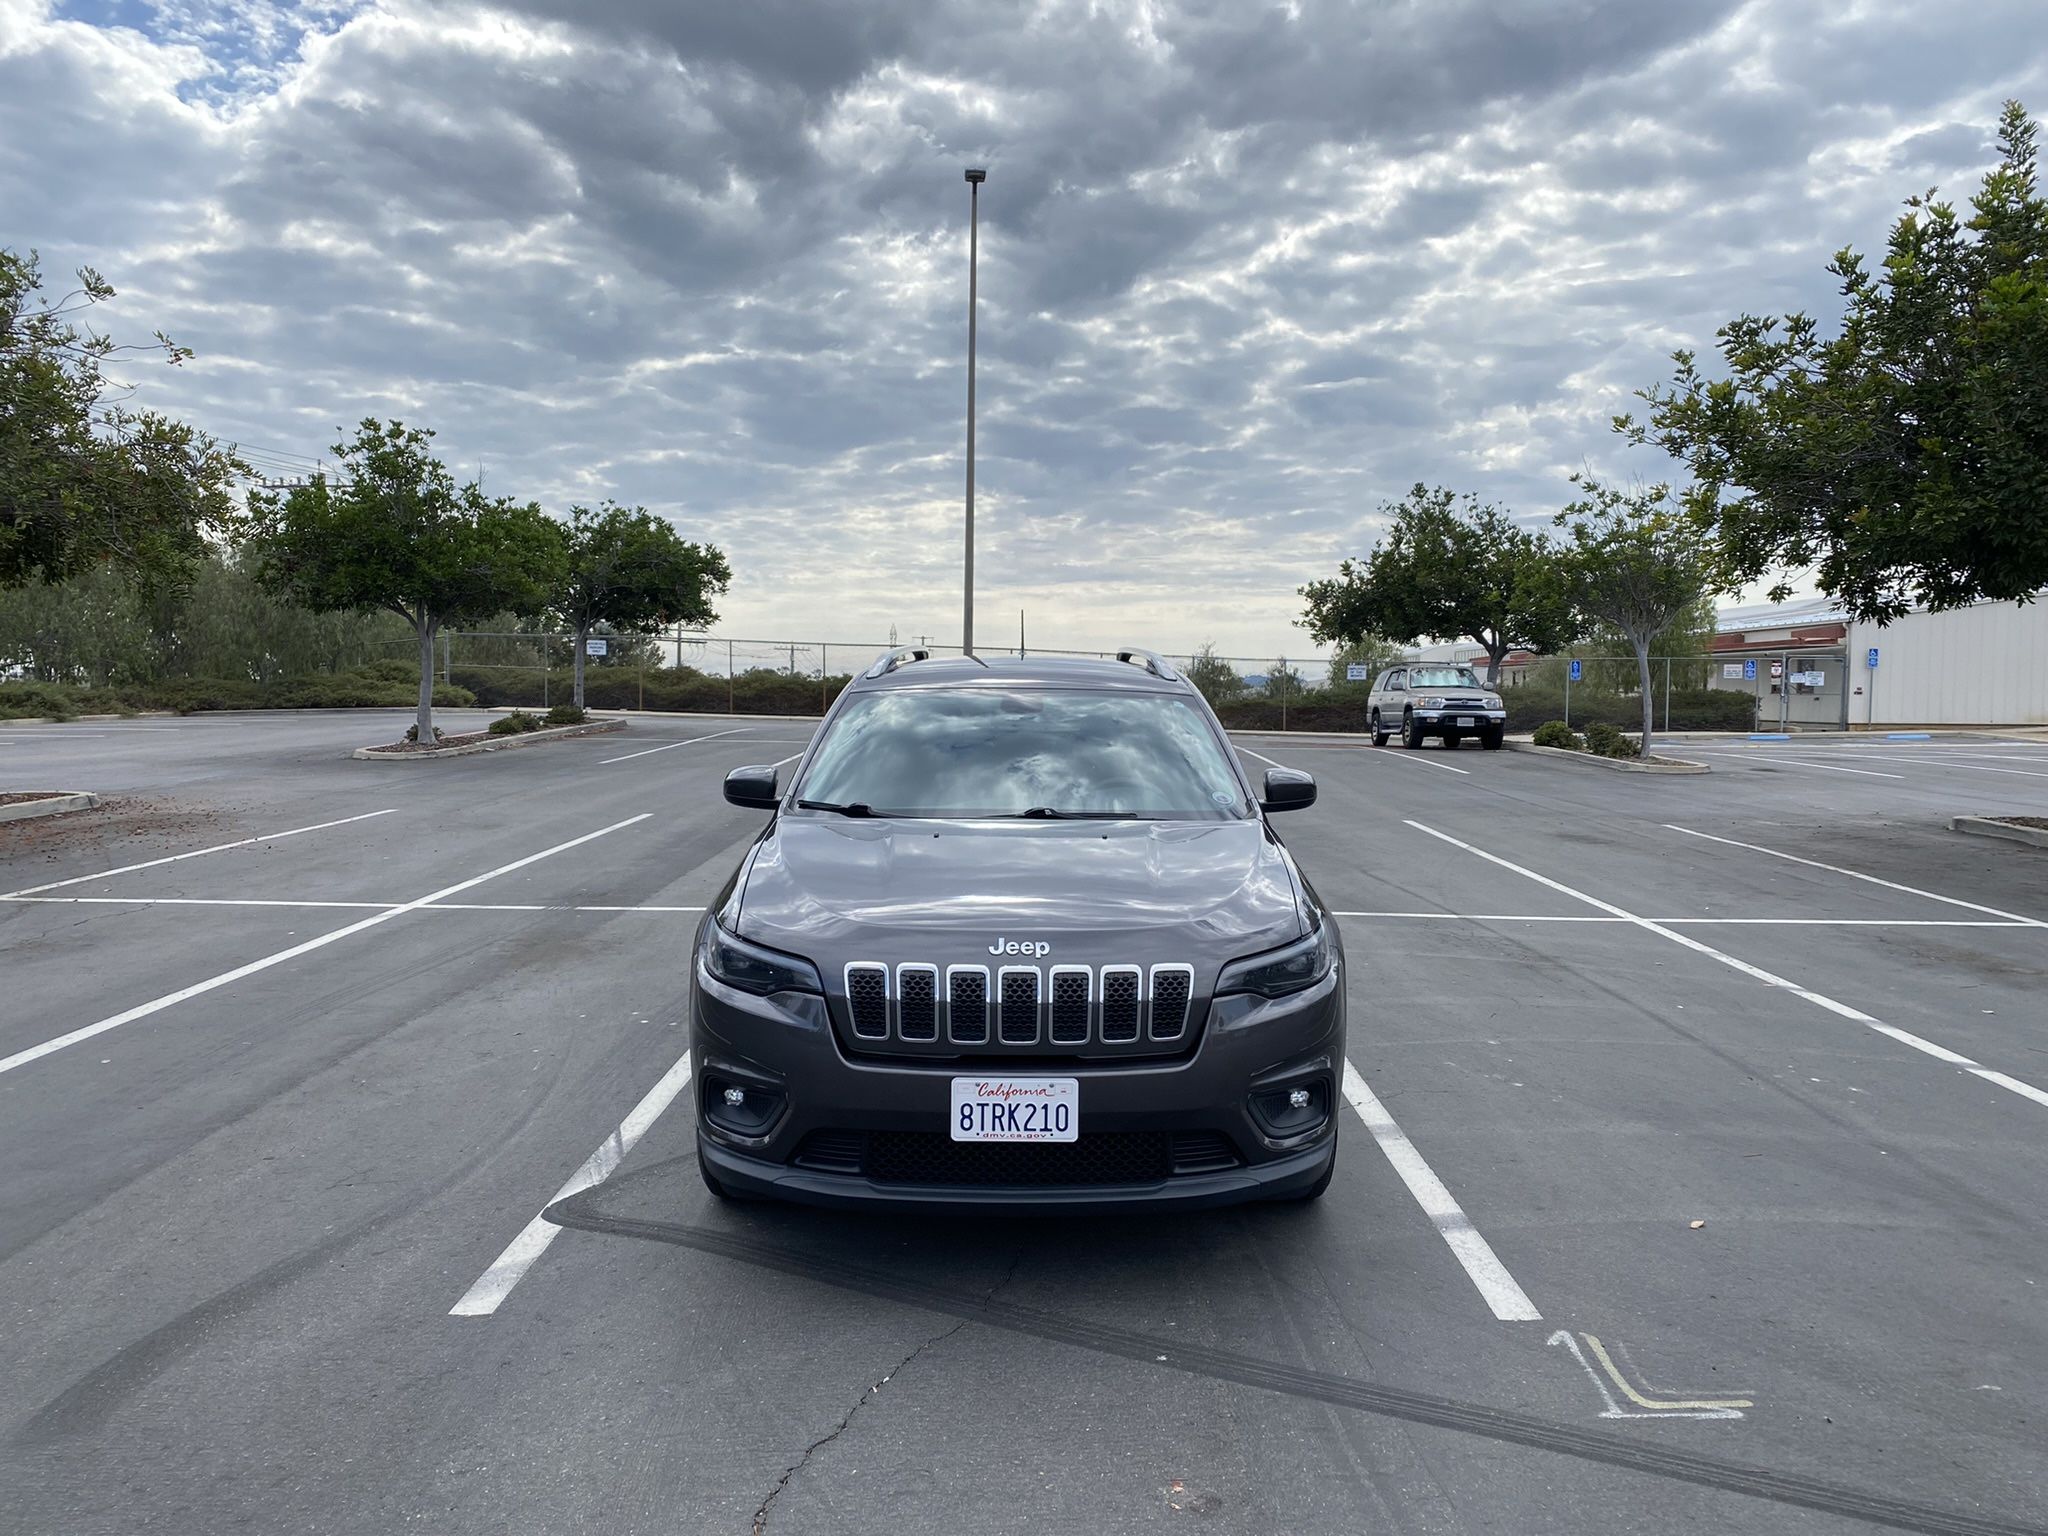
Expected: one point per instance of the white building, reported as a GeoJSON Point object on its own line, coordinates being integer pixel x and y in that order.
{"type": "Point", "coordinates": [1982, 665]}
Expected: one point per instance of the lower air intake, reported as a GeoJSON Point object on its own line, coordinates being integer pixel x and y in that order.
{"type": "Point", "coordinates": [1107, 1157]}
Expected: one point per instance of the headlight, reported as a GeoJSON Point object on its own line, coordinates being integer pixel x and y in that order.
{"type": "Point", "coordinates": [1281, 971]}
{"type": "Point", "coordinates": [753, 969]}
{"type": "Point", "coordinates": [1436, 701]}
{"type": "Point", "coordinates": [1493, 701]}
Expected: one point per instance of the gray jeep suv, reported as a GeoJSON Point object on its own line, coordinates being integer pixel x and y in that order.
{"type": "Point", "coordinates": [1018, 933]}
{"type": "Point", "coordinates": [1447, 702]}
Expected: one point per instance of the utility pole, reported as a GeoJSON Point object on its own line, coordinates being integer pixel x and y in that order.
{"type": "Point", "coordinates": [1020, 631]}
{"type": "Point", "coordinates": [975, 177]}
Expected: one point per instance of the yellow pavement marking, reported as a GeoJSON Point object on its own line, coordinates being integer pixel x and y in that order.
{"type": "Point", "coordinates": [1659, 1405]}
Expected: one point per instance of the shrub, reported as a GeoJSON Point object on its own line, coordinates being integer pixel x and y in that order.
{"type": "Point", "coordinates": [1607, 741]}
{"type": "Point", "coordinates": [1555, 733]}
{"type": "Point", "coordinates": [1692, 709]}
{"type": "Point", "coordinates": [518, 723]}
{"type": "Point", "coordinates": [566, 714]}
{"type": "Point", "coordinates": [36, 701]}
{"type": "Point", "coordinates": [412, 733]}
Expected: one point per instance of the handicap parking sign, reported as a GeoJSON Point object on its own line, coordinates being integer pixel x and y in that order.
{"type": "Point", "coordinates": [1749, 671]}
{"type": "Point", "coordinates": [1575, 671]}
{"type": "Point", "coordinates": [1873, 658]}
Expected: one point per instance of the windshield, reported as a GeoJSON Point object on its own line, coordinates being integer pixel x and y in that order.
{"type": "Point", "coordinates": [993, 752]}
{"type": "Point", "coordinates": [1443, 677]}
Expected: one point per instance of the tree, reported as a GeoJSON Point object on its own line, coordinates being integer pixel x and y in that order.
{"type": "Point", "coordinates": [1214, 678]}
{"type": "Point", "coordinates": [1907, 458]}
{"type": "Point", "coordinates": [1638, 561]}
{"type": "Point", "coordinates": [395, 532]}
{"type": "Point", "coordinates": [84, 481]}
{"type": "Point", "coordinates": [1449, 566]}
{"type": "Point", "coordinates": [1283, 681]}
{"type": "Point", "coordinates": [1371, 652]}
{"type": "Point", "coordinates": [1687, 646]}
{"type": "Point", "coordinates": [632, 573]}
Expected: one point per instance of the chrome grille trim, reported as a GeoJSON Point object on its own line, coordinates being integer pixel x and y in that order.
{"type": "Point", "coordinates": [1173, 991]}
{"type": "Point", "coordinates": [1070, 1005]}
{"type": "Point", "coordinates": [1123, 1003]}
{"type": "Point", "coordinates": [867, 999]}
{"type": "Point", "coordinates": [917, 1003]}
{"type": "Point", "coordinates": [1018, 1004]}
{"type": "Point", "coordinates": [967, 1004]}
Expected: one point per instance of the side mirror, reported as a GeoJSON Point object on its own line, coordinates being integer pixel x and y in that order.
{"type": "Point", "coordinates": [1287, 789]}
{"type": "Point", "coordinates": [752, 787]}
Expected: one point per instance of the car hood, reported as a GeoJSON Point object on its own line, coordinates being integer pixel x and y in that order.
{"type": "Point", "coordinates": [944, 891]}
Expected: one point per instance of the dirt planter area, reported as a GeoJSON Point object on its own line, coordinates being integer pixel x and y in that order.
{"type": "Point", "coordinates": [1650, 764]}
{"type": "Point", "coordinates": [21, 804]}
{"type": "Point", "coordinates": [480, 741]}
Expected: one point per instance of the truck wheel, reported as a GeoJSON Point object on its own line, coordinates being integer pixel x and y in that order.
{"type": "Point", "coordinates": [1379, 732]}
{"type": "Point", "coordinates": [1411, 732]}
{"type": "Point", "coordinates": [1451, 740]}
{"type": "Point", "coordinates": [1493, 740]}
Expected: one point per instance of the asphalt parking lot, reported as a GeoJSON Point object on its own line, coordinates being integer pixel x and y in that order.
{"type": "Point", "coordinates": [1691, 1182]}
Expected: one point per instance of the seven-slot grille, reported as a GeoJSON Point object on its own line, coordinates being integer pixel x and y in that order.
{"type": "Point", "coordinates": [1071, 1006]}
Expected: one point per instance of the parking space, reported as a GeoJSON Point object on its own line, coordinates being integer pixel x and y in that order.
{"type": "Point", "coordinates": [1687, 1180]}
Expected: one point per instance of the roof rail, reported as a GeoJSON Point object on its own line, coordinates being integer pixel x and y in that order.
{"type": "Point", "coordinates": [1156, 664]}
{"type": "Point", "coordinates": [901, 656]}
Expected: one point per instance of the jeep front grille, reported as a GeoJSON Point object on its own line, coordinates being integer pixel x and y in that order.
{"type": "Point", "coordinates": [1057, 1009]}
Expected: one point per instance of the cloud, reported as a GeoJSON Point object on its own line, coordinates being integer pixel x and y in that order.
{"type": "Point", "coordinates": [1248, 270]}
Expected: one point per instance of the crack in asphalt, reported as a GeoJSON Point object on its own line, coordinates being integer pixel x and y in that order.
{"type": "Point", "coordinates": [586, 1211]}
{"type": "Point", "coordinates": [782, 1482]}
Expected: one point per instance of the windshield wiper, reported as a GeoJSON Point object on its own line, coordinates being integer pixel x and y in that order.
{"type": "Point", "coordinates": [1053, 813]}
{"type": "Point", "coordinates": [853, 808]}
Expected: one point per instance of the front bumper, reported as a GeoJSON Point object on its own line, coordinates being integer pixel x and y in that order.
{"type": "Point", "coordinates": [783, 1052]}
{"type": "Point", "coordinates": [1435, 719]}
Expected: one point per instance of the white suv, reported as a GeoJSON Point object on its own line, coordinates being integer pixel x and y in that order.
{"type": "Point", "coordinates": [1447, 702]}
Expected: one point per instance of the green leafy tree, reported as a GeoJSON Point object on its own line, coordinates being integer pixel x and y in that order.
{"type": "Point", "coordinates": [630, 573]}
{"type": "Point", "coordinates": [1450, 566]}
{"type": "Point", "coordinates": [1283, 681]}
{"type": "Point", "coordinates": [83, 480]}
{"type": "Point", "coordinates": [1637, 561]}
{"type": "Point", "coordinates": [1686, 646]}
{"type": "Point", "coordinates": [1368, 651]}
{"type": "Point", "coordinates": [1214, 678]}
{"type": "Point", "coordinates": [394, 532]}
{"type": "Point", "coordinates": [1905, 459]}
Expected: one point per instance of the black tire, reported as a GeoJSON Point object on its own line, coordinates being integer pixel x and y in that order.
{"type": "Point", "coordinates": [1379, 734]}
{"type": "Point", "coordinates": [1411, 732]}
{"type": "Point", "coordinates": [1494, 740]}
{"type": "Point", "coordinates": [1451, 740]}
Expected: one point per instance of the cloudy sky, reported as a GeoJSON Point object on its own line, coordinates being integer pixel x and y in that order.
{"type": "Point", "coordinates": [1247, 269]}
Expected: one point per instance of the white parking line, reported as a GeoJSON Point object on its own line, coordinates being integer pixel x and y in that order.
{"type": "Point", "coordinates": [510, 1267]}
{"type": "Point", "coordinates": [1853, 874]}
{"type": "Point", "coordinates": [1753, 922]}
{"type": "Point", "coordinates": [1507, 1300]}
{"type": "Point", "coordinates": [268, 837]}
{"type": "Point", "coordinates": [1868, 773]}
{"type": "Point", "coordinates": [169, 999]}
{"type": "Point", "coordinates": [671, 746]}
{"type": "Point", "coordinates": [1769, 978]}
{"type": "Point", "coordinates": [1407, 756]}
{"type": "Point", "coordinates": [1248, 752]}
{"type": "Point", "coordinates": [1930, 762]}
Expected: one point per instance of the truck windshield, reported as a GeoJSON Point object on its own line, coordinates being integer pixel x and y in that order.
{"type": "Point", "coordinates": [996, 752]}
{"type": "Point", "coordinates": [1443, 677]}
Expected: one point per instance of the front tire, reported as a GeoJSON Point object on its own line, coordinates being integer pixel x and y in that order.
{"type": "Point", "coordinates": [1451, 740]}
{"type": "Point", "coordinates": [1379, 732]}
{"type": "Point", "coordinates": [1315, 1191]}
{"type": "Point", "coordinates": [1411, 732]}
{"type": "Point", "coordinates": [1495, 739]}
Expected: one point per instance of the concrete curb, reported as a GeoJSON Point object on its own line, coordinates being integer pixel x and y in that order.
{"type": "Point", "coordinates": [1618, 764]}
{"type": "Point", "coordinates": [53, 805]}
{"type": "Point", "coordinates": [495, 744]}
{"type": "Point", "coordinates": [1985, 826]}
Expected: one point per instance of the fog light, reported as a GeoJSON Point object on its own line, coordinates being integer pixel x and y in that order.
{"type": "Point", "coordinates": [740, 1109]}
{"type": "Point", "coordinates": [1298, 1099]}
{"type": "Point", "coordinates": [1299, 1109]}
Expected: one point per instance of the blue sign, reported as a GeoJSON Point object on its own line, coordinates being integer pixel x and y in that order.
{"type": "Point", "coordinates": [1872, 662]}
{"type": "Point", "coordinates": [1575, 671]}
{"type": "Point", "coordinates": [1749, 671]}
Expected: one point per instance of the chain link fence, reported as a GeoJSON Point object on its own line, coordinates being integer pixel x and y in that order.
{"type": "Point", "coordinates": [717, 674]}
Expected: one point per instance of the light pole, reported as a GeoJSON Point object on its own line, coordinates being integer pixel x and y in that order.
{"type": "Point", "coordinates": [975, 177]}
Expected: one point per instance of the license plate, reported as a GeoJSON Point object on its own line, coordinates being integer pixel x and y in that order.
{"type": "Point", "coordinates": [1016, 1108]}
{"type": "Point", "coordinates": [1466, 722]}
